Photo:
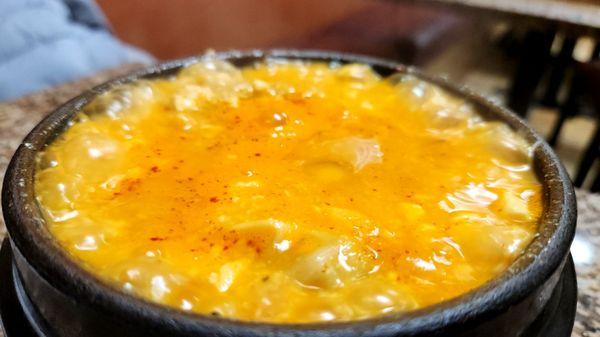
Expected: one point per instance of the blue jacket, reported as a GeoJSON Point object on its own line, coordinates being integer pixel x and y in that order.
{"type": "Point", "coordinates": [48, 42]}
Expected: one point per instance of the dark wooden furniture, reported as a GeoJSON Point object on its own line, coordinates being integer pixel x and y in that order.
{"type": "Point", "coordinates": [584, 90]}
{"type": "Point", "coordinates": [541, 20]}
{"type": "Point", "coordinates": [409, 33]}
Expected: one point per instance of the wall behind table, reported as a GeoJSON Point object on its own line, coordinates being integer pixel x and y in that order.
{"type": "Point", "coordinates": [176, 28]}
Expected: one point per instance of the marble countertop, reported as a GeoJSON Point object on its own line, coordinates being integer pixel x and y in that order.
{"type": "Point", "coordinates": [18, 117]}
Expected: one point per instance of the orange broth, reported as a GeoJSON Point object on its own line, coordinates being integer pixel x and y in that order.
{"type": "Point", "coordinates": [289, 192]}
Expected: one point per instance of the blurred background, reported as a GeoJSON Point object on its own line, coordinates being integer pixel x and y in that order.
{"type": "Point", "coordinates": [539, 57]}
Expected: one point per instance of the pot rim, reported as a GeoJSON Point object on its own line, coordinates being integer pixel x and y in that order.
{"type": "Point", "coordinates": [540, 260]}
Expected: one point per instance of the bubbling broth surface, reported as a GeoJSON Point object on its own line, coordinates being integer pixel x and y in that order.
{"type": "Point", "coordinates": [289, 191]}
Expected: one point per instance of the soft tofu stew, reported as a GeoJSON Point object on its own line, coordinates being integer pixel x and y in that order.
{"type": "Point", "coordinates": [288, 191]}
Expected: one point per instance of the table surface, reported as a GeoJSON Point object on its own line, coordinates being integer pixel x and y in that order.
{"type": "Point", "coordinates": [18, 117]}
{"type": "Point", "coordinates": [576, 13]}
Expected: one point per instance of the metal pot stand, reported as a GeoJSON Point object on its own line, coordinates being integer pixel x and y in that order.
{"type": "Point", "coordinates": [19, 317]}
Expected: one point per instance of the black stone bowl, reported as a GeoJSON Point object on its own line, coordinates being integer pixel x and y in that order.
{"type": "Point", "coordinates": [70, 301]}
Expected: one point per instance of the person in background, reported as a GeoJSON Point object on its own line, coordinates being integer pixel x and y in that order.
{"type": "Point", "coordinates": [49, 42]}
